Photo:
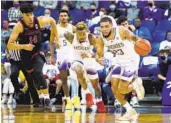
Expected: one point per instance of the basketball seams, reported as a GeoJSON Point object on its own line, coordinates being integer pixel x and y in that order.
{"type": "Point", "coordinates": [147, 44]}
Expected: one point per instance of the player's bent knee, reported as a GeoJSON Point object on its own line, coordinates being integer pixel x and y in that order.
{"type": "Point", "coordinates": [77, 67]}
{"type": "Point", "coordinates": [92, 74]}
{"type": "Point", "coordinates": [122, 90]}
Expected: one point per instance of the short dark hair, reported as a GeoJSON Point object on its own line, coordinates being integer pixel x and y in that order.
{"type": "Point", "coordinates": [121, 19]}
{"type": "Point", "coordinates": [106, 19]}
{"type": "Point", "coordinates": [26, 8]}
{"type": "Point", "coordinates": [63, 11]}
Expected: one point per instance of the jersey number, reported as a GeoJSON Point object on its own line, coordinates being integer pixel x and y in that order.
{"type": "Point", "coordinates": [117, 52]}
{"type": "Point", "coordinates": [64, 43]}
{"type": "Point", "coordinates": [33, 39]}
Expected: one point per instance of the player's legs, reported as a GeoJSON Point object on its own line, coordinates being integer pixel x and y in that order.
{"type": "Point", "coordinates": [59, 86]}
{"type": "Point", "coordinates": [74, 89]}
{"type": "Point", "coordinates": [38, 62]}
{"type": "Point", "coordinates": [64, 71]}
{"type": "Point", "coordinates": [14, 77]}
{"type": "Point", "coordinates": [121, 79]}
{"type": "Point", "coordinates": [81, 76]}
{"type": "Point", "coordinates": [11, 92]}
{"type": "Point", "coordinates": [93, 76]}
{"type": "Point", "coordinates": [5, 90]}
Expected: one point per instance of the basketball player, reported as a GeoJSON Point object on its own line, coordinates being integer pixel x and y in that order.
{"type": "Point", "coordinates": [123, 21]}
{"type": "Point", "coordinates": [27, 32]}
{"type": "Point", "coordinates": [118, 40]}
{"type": "Point", "coordinates": [63, 53]}
{"type": "Point", "coordinates": [84, 65]}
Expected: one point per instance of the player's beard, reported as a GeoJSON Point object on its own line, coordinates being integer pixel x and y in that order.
{"type": "Point", "coordinates": [106, 36]}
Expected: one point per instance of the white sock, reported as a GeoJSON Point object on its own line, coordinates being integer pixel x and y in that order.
{"type": "Point", "coordinates": [127, 106]}
{"type": "Point", "coordinates": [41, 96]}
{"type": "Point", "coordinates": [98, 99]}
{"type": "Point", "coordinates": [11, 96]}
{"type": "Point", "coordinates": [86, 91]}
{"type": "Point", "coordinates": [46, 96]}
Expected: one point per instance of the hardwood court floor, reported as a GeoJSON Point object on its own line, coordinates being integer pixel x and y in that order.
{"type": "Point", "coordinates": [28, 114]}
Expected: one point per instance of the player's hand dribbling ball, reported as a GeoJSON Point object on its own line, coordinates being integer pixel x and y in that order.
{"type": "Point", "coordinates": [142, 47]}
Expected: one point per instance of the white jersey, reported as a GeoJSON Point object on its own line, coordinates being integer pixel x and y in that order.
{"type": "Point", "coordinates": [65, 46]}
{"type": "Point", "coordinates": [123, 50]}
{"type": "Point", "coordinates": [87, 48]}
{"type": "Point", "coordinates": [79, 48]}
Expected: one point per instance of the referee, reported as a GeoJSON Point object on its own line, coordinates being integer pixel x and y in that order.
{"type": "Point", "coordinates": [16, 66]}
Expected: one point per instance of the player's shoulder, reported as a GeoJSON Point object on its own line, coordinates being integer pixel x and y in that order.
{"type": "Point", "coordinates": [19, 26]}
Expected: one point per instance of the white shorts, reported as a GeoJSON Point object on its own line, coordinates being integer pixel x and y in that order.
{"type": "Point", "coordinates": [64, 55]}
{"type": "Point", "coordinates": [125, 72]}
{"type": "Point", "coordinates": [91, 63]}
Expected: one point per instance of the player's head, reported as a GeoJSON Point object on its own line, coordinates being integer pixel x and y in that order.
{"type": "Point", "coordinates": [106, 26]}
{"type": "Point", "coordinates": [27, 12]}
{"type": "Point", "coordinates": [81, 31]}
{"type": "Point", "coordinates": [63, 16]}
{"type": "Point", "coordinates": [123, 21]}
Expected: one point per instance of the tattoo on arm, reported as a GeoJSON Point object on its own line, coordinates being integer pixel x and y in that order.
{"type": "Point", "coordinates": [130, 36]}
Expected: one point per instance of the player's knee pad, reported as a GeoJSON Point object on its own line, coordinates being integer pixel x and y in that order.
{"type": "Point", "coordinates": [92, 74]}
{"type": "Point", "coordinates": [77, 67]}
{"type": "Point", "coordinates": [65, 65]}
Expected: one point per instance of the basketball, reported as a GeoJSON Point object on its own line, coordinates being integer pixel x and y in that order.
{"type": "Point", "coordinates": [142, 47]}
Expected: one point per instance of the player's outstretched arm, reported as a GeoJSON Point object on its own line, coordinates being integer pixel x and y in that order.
{"type": "Point", "coordinates": [12, 45]}
{"type": "Point", "coordinates": [53, 37]}
{"type": "Point", "coordinates": [93, 40]}
{"type": "Point", "coordinates": [100, 50]}
{"type": "Point", "coordinates": [127, 35]}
